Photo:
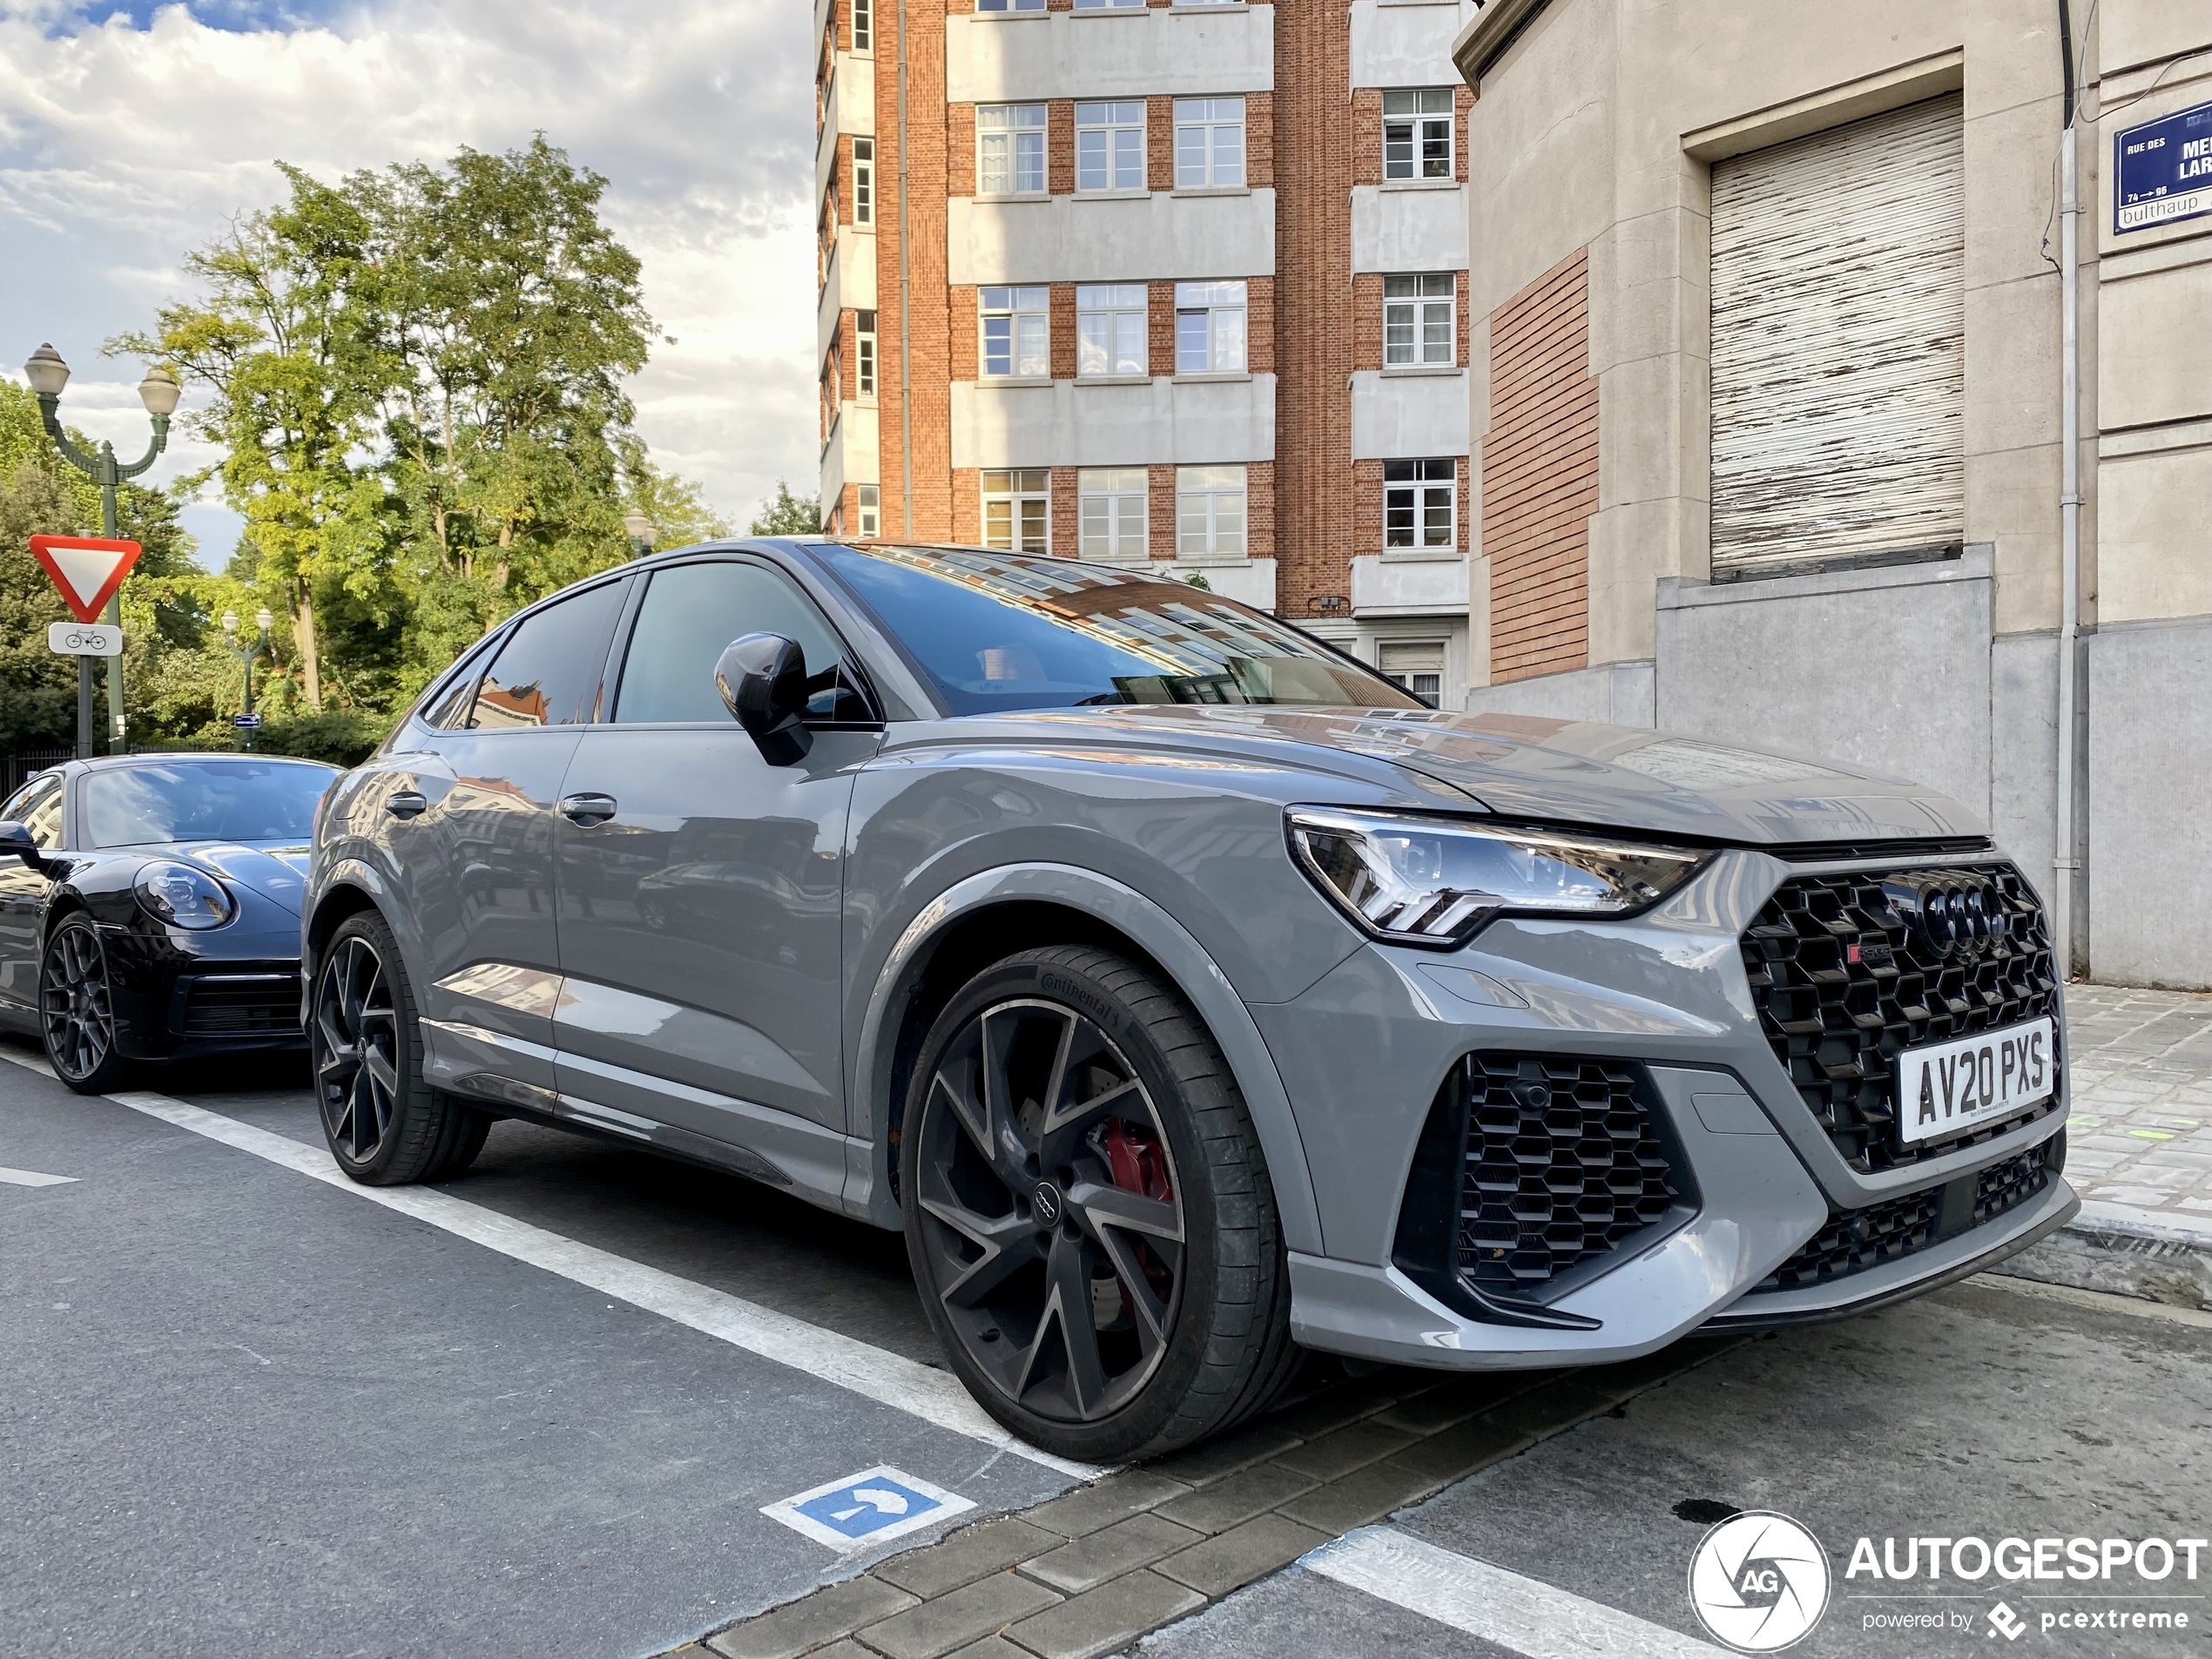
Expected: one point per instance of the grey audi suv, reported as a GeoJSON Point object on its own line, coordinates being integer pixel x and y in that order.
{"type": "Point", "coordinates": [1189, 993]}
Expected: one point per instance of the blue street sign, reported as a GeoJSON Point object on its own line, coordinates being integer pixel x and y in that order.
{"type": "Point", "coordinates": [867, 1509]}
{"type": "Point", "coordinates": [2162, 171]}
{"type": "Point", "coordinates": [246, 722]}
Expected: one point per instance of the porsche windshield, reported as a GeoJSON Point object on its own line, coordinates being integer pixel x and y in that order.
{"type": "Point", "coordinates": [204, 801]}
{"type": "Point", "coordinates": [998, 633]}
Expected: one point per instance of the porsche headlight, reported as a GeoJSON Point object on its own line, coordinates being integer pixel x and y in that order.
{"type": "Point", "coordinates": [1434, 881]}
{"type": "Point", "coordinates": [184, 897]}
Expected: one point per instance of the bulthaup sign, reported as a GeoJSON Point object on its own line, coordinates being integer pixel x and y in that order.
{"type": "Point", "coordinates": [2162, 170]}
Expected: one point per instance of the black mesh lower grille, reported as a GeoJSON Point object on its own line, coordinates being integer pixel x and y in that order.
{"type": "Point", "coordinates": [1561, 1163]}
{"type": "Point", "coordinates": [244, 1005]}
{"type": "Point", "coordinates": [1855, 1240]}
{"type": "Point", "coordinates": [1848, 971]}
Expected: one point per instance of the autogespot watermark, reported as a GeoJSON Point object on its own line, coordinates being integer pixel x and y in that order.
{"type": "Point", "coordinates": [1759, 1581]}
{"type": "Point", "coordinates": [2142, 1585]}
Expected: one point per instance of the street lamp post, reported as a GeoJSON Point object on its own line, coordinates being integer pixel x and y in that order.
{"type": "Point", "coordinates": [245, 654]}
{"type": "Point", "coordinates": [641, 531]}
{"type": "Point", "coordinates": [47, 375]}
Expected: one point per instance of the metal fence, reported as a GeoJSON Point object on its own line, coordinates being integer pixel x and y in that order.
{"type": "Point", "coordinates": [14, 768]}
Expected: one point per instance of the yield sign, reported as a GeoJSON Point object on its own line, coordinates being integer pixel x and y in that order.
{"type": "Point", "coordinates": [87, 571]}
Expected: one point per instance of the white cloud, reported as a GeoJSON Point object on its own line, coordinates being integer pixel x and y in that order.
{"type": "Point", "coordinates": [122, 145]}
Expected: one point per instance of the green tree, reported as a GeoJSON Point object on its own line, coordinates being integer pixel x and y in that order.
{"type": "Point", "coordinates": [784, 514]}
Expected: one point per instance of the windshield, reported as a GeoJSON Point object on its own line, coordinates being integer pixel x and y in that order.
{"type": "Point", "coordinates": [995, 633]}
{"type": "Point", "coordinates": [204, 801]}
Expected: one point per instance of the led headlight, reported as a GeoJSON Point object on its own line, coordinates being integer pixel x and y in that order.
{"type": "Point", "coordinates": [1434, 881]}
{"type": "Point", "coordinates": [184, 897]}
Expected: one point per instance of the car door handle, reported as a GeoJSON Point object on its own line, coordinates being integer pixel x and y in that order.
{"type": "Point", "coordinates": [587, 810]}
{"type": "Point", "coordinates": [406, 803]}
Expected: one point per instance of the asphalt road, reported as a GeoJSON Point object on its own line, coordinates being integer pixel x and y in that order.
{"type": "Point", "coordinates": [250, 1413]}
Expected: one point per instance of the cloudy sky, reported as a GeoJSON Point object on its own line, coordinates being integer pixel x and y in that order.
{"type": "Point", "coordinates": [131, 132]}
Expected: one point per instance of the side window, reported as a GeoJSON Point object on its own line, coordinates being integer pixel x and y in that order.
{"type": "Point", "coordinates": [548, 672]}
{"type": "Point", "coordinates": [450, 708]}
{"type": "Point", "coordinates": [692, 612]}
{"type": "Point", "coordinates": [39, 809]}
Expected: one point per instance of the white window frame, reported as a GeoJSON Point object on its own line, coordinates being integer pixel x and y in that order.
{"type": "Point", "coordinates": [1418, 490]}
{"type": "Point", "coordinates": [1209, 144]}
{"type": "Point", "coordinates": [1421, 320]}
{"type": "Point", "coordinates": [1111, 318]}
{"type": "Point", "coordinates": [863, 353]}
{"type": "Point", "coordinates": [1010, 150]}
{"type": "Point", "coordinates": [1015, 328]}
{"type": "Point", "coordinates": [1020, 501]}
{"type": "Point", "coordinates": [864, 25]}
{"type": "Point", "coordinates": [1421, 116]}
{"type": "Point", "coordinates": [1211, 329]}
{"type": "Point", "coordinates": [1110, 5]}
{"type": "Point", "coordinates": [864, 182]}
{"type": "Point", "coordinates": [1111, 508]}
{"type": "Point", "coordinates": [1212, 513]}
{"type": "Point", "coordinates": [868, 509]}
{"type": "Point", "coordinates": [1406, 678]}
{"type": "Point", "coordinates": [1104, 150]}
{"type": "Point", "coordinates": [1002, 8]}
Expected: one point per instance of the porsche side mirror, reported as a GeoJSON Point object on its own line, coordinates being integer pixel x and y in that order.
{"type": "Point", "coordinates": [17, 839]}
{"type": "Point", "coordinates": [763, 681]}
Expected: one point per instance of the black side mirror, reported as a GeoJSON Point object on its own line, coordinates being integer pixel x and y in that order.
{"type": "Point", "coordinates": [763, 681]}
{"type": "Point", "coordinates": [16, 839]}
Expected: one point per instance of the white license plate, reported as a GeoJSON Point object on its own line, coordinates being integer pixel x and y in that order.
{"type": "Point", "coordinates": [1944, 1088]}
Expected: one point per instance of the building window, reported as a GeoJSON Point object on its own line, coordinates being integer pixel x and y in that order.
{"type": "Point", "coordinates": [864, 352]}
{"type": "Point", "coordinates": [1209, 512]}
{"type": "Point", "coordinates": [1009, 5]}
{"type": "Point", "coordinates": [1017, 510]}
{"type": "Point", "coordinates": [1016, 334]}
{"type": "Point", "coordinates": [1110, 146]}
{"type": "Point", "coordinates": [1417, 134]}
{"type": "Point", "coordinates": [1421, 503]}
{"type": "Point", "coordinates": [1109, 5]}
{"type": "Point", "coordinates": [871, 511]}
{"type": "Point", "coordinates": [1111, 504]}
{"type": "Point", "coordinates": [1417, 666]}
{"type": "Point", "coordinates": [864, 181]}
{"type": "Point", "coordinates": [1417, 320]}
{"type": "Point", "coordinates": [1208, 327]}
{"type": "Point", "coordinates": [1109, 330]}
{"type": "Point", "coordinates": [863, 25]}
{"type": "Point", "coordinates": [1209, 143]}
{"type": "Point", "coordinates": [1009, 140]}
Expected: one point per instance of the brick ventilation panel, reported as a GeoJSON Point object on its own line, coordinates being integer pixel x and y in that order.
{"type": "Point", "coordinates": [1540, 476]}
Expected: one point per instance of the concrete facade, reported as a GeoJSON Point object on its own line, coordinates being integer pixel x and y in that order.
{"type": "Point", "coordinates": [1594, 130]}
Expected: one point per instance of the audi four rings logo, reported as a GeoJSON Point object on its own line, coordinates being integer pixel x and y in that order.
{"type": "Point", "coordinates": [1759, 1581]}
{"type": "Point", "coordinates": [1954, 913]}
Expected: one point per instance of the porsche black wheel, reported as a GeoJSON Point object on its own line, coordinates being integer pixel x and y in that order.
{"type": "Point", "coordinates": [1088, 1212]}
{"type": "Point", "coordinates": [77, 1009]}
{"type": "Point", "coordinates": [385, 1125]}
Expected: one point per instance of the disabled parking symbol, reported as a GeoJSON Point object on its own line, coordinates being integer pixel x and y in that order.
{"type": "Point", "coordinates": [867, 1509]}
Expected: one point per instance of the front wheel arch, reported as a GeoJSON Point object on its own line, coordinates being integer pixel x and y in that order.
{"type": "Point", "coordinates": [1101, 909]}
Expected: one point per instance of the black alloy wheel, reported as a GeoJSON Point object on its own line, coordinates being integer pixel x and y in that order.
{"type": "Point", "coordinates": [1087, 1211]}
{"type": "Point", "coordinates": [385, 1124]}
{"type": "Point", "coordinates": [77, 1008]}
{"type": "Point", "coordinates": [356, 1039]}
{"type": "Point", "coordinates": [1060, 1243]}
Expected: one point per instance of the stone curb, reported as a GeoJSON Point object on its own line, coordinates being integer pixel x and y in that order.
{"type": "Point", "coordinates": [1090, 1572]}
{"type": "Point", "coordinates": [2124, 1250]}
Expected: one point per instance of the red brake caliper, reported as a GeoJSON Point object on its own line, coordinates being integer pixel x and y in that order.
{"type": "Point", "coordinates": [1139, 1167]}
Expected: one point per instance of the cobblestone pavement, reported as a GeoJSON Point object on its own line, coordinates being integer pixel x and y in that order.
{"type": "Point", "coordinates": [2139, 1133]}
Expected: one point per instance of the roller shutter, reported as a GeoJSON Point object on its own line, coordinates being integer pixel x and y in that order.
{"type": "Point", "coordinates": [1838, 346]}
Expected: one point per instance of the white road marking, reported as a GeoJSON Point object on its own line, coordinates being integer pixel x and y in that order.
{"type": "Point", "coordinates": [32, 1178]}
{"type": "Point", "coordinates": [1523, 1613]}
{"type": "Point", "coordinates": [875, 1373]}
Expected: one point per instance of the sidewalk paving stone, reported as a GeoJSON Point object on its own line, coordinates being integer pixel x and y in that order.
{"type": "Point", "coordinates": [1108, 1617]}
{"type": "Point", "coordinates": [953, 1620]}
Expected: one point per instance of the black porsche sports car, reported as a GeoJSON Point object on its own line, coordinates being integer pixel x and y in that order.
{"type": "Point", "coordinates": [150, 908]}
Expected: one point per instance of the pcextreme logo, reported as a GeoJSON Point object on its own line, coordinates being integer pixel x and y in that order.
{"type": "Point", "coordinates": [1759, 1582]}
